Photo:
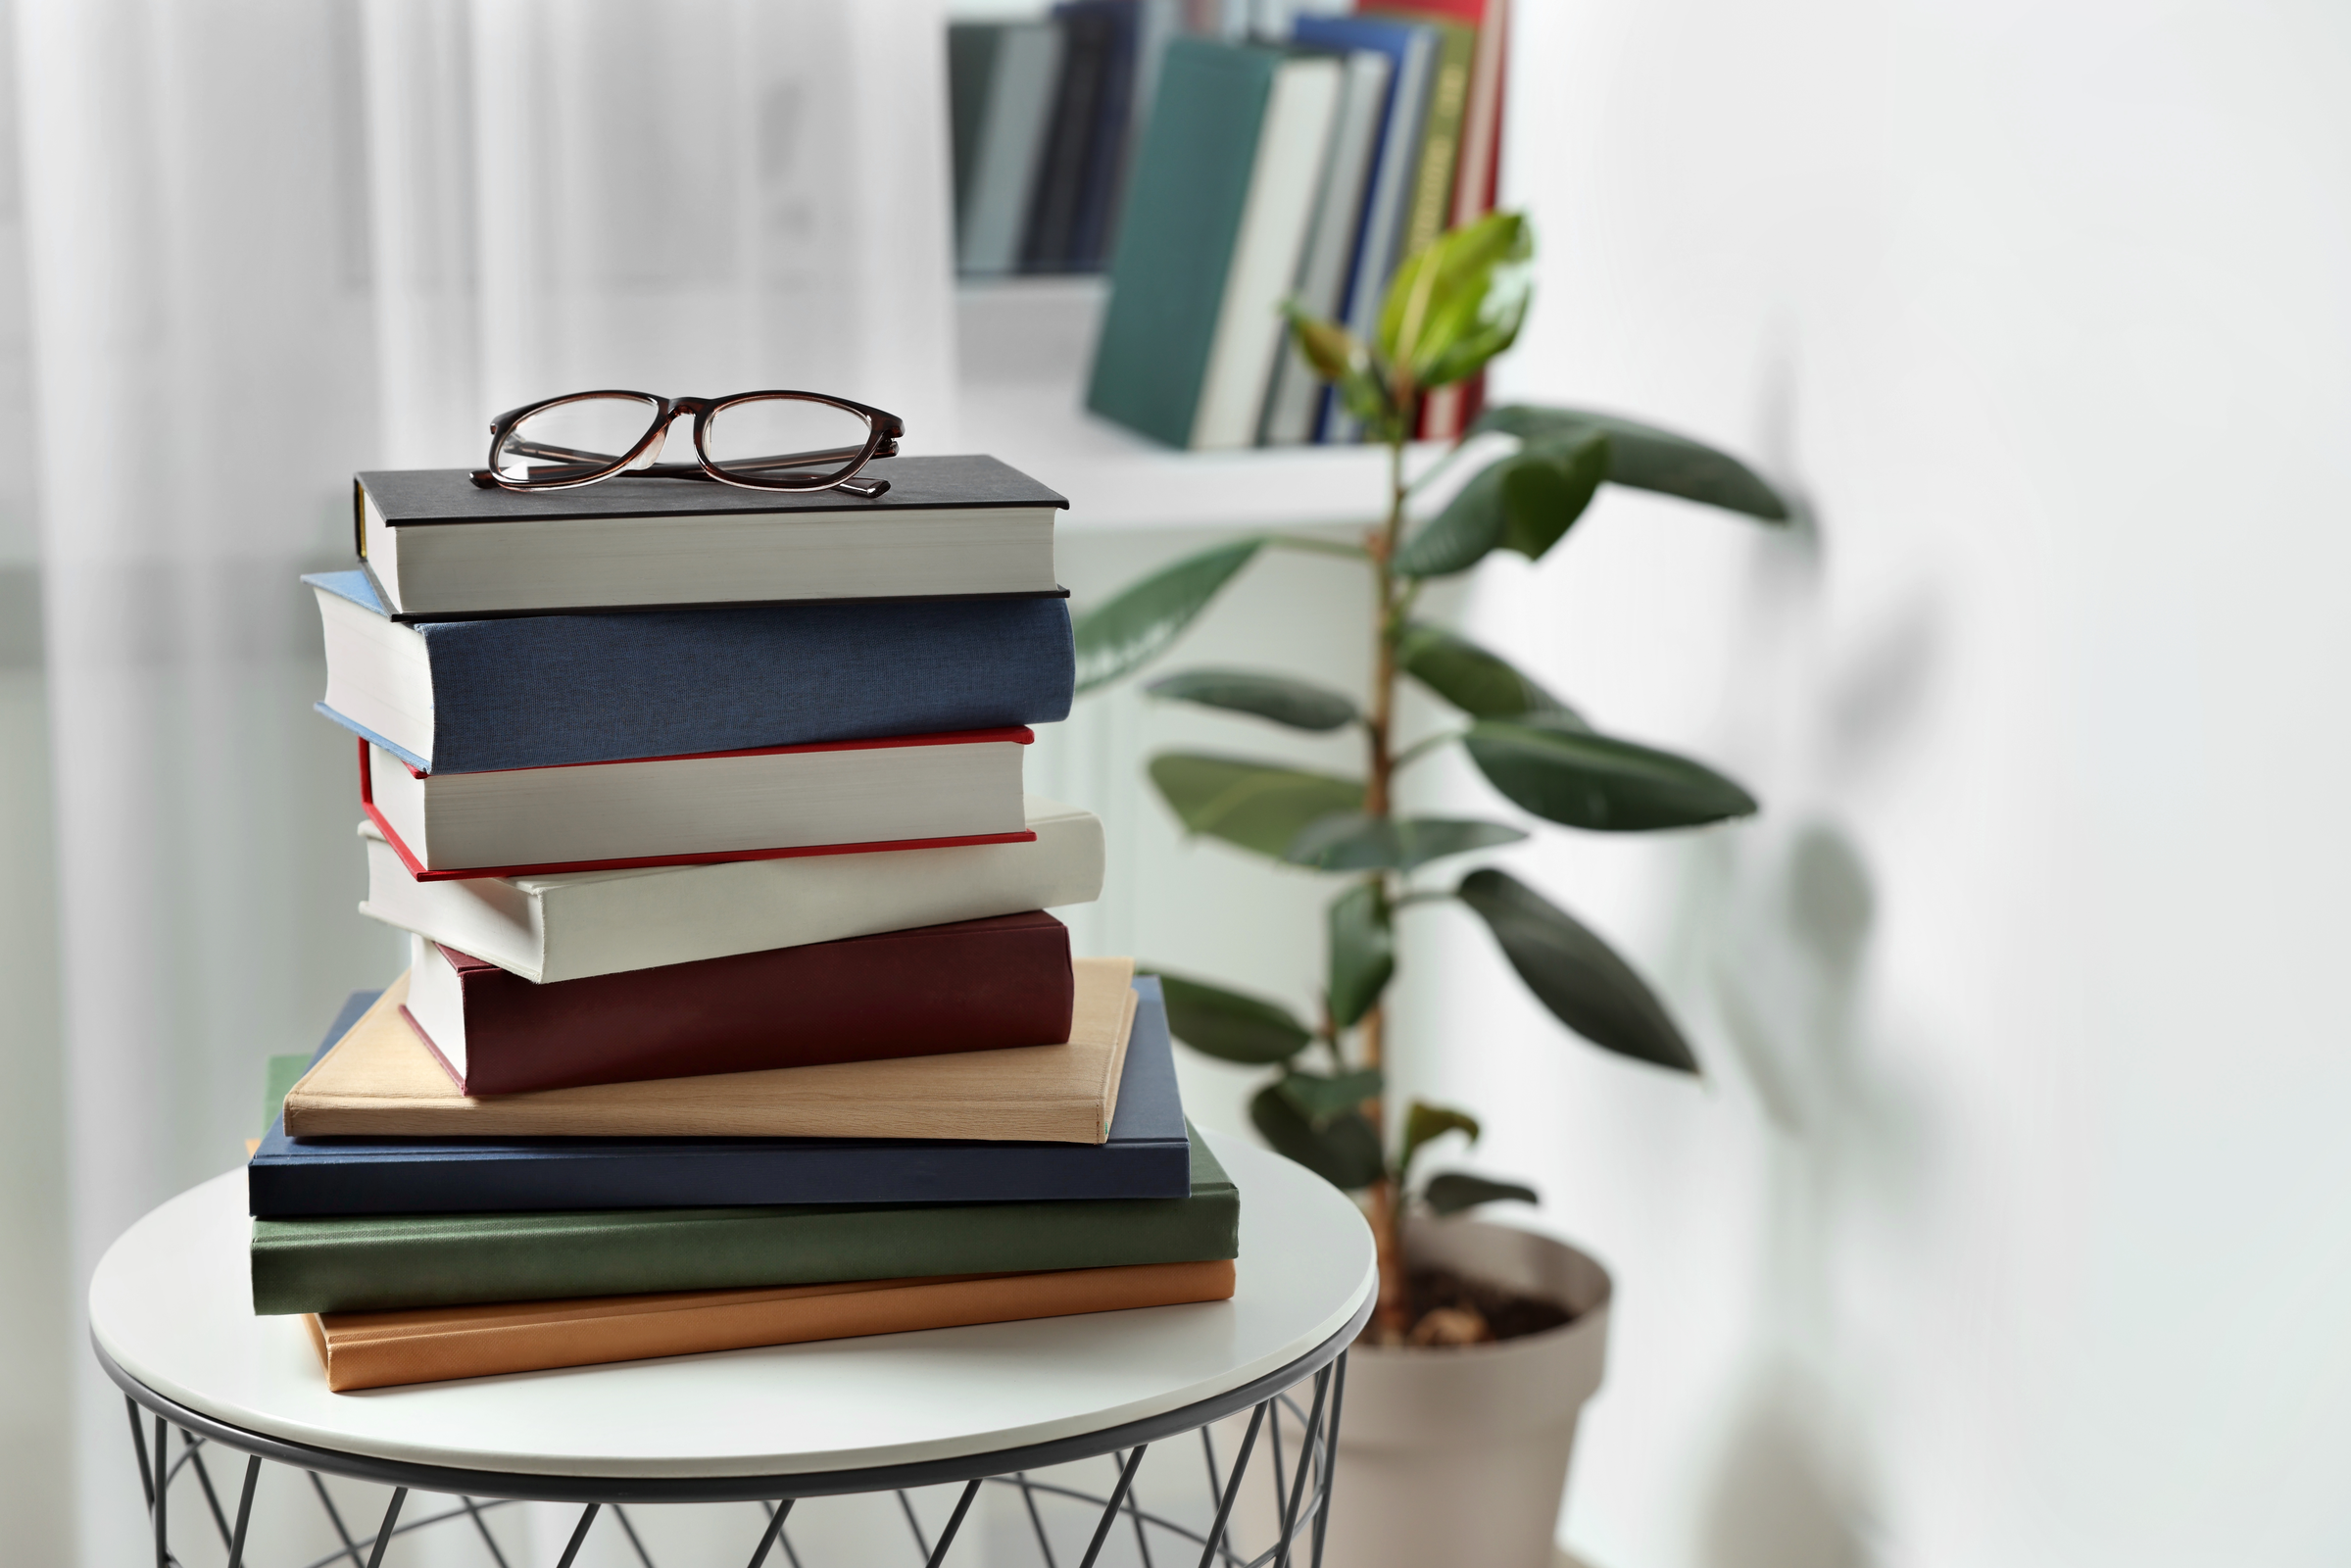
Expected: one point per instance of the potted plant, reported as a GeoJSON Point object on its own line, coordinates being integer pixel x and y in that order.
{"type": "Point", "coordinates": [1461, 1404]}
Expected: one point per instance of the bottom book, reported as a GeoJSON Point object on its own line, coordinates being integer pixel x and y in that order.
{"type": "Point", "coordinates": [385, 1349]}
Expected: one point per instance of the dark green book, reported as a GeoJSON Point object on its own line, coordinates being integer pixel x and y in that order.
{"type": "Point", "coordinates": [1183, 213]}
{"type": "Point", "coordinates": [378, 1263]}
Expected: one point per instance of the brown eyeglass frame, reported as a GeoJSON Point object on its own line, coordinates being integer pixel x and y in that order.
{"type": "Point", "coordinates": [883, 430]}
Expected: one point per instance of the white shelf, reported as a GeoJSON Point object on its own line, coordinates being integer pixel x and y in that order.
{"type": "Point", "coordinates": [1025, 345]}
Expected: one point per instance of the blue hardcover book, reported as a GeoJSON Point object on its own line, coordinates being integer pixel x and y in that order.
{"type": "Point", "coordinates": [540, 691]}
{"type": "Point", "coordinates": [1148, 1155]}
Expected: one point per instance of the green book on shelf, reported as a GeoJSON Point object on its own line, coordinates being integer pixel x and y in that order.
{"type": "Point", "coordinates": [380, 1263]}
{"type": "Point", "coordinates": [1184, 207]}
{"type": "Point", "coordinates": [1429, 200]}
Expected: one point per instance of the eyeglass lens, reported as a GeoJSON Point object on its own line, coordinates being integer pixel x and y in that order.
{"type": "Point", "coordinates": [574, 438]}
{"type": "Point", "coordinates": [787, 440]}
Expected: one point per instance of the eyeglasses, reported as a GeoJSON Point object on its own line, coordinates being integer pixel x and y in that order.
{"type": "Point", "coordinates": [758, 440]}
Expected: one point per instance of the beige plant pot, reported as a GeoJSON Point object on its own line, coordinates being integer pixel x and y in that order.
{"type": "Point", "coordinates": [1459, 1456]}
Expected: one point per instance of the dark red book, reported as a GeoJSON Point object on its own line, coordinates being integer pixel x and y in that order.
{"type": "Point", "coordinates": [976, 985]}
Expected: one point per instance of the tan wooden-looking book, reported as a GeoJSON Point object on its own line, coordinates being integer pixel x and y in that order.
{"type": "Point", "coordinates": [381, 1350]}
{"type": "Point", "coordinates": [381, 1081]}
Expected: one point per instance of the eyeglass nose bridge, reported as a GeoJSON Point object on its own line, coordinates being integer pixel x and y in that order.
{"type": "Point", "coordinates": [657, 437]}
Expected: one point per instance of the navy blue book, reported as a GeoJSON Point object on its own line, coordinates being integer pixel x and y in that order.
{"type": "Point", "coordinates": [539, 691]}
{"type": "Point", "coordinates": [1148, 1155]}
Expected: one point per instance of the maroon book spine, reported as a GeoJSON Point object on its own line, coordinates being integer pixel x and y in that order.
{"type": "Point", "coordinates": [976, 985]}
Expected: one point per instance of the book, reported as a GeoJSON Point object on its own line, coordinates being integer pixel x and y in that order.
{"type": "Point", "coordinates": [542, 691]}
{"type": "Point", "coordinates": [908, 792]}
{"type": "Point", "coordinates": [1449, 411]}
{"type": "Point", "coordinates": [1102, 172]}
{"type": "Point", "coordinates": [440, 548]}
{"type": "Point", "coordinates": [380, 1081]}
{"type": "Point", "coordinates": [388, 1263]}
{"type": "Point", "coordinates": [1008, 126]}
{"type": "Point", "coordinates": [1209, 241]}
{"type": "Point", "coordinates": [1411, 52]}
{"type": "Point", "coordinates": [580, 923]}
{"type": "Point", "coordinates": [1429, 204]}
{"type": "Point", "coordinates": [1145, 1156]}
{"type": "Point", "coordinates": [432, 1345]}
{"type": "Point", "coordinates": [1087, 39]}
{"type": "Point", "coordinates": [1295, 401]}
{"type": "Point", "coordinates": [977, 985]}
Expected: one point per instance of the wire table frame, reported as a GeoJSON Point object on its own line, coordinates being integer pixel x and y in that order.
{"type": "Point", "coordinates": [1308, 1397]}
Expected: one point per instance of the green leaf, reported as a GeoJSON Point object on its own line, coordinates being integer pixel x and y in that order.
{"type": "Point", "coordinates": [1137, 626]}
{"type": "Point", "coordinates": [1343, 1152]}
{"type": "Point", "coordinates": [1425, 1122]}
{"type": "Point", "coordinates": [1646, 458]}
{"type": "Point", "coordinates": [1459, 302]}
{"type": "Point", "coordinates": [1481, 684]}
{"type": "Point", "coordinates": [1599, 782]}
{"type": "Point", "coordinates": [1298, 703]}
{"type": "Point", "coordinates": [1319, 1099]}
{"type": "Point", "coordinates": [1229, 1026]}
{"type": "Point", "coordinates": [1525, 502]}
{"type": "Point", "coordinates": [1450, 1192]}
{"type": "Point", "coordinates": [1352, 842]}
{"type": "Point", "coordinates": [1574, 973]}
{"type": "Point", "coordinates": [1362, 953]}
{"type": "Point", "coordinates": [1326, 347]}
{"type": "Point", "coordinates": [1248, 804]}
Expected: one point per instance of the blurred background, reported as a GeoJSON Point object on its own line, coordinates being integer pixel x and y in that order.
{"type": "Point", "coordinates": [2005, 1226]}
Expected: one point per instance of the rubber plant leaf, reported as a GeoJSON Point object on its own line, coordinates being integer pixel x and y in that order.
{"type": "Point", "coordinates": [1423, 1123]}
{"type": "Point", "coordinates": [1232, 1027]}
{"type": "Point", "coordinates": [1319, 1099]}
{"type": "Point", "coordinates": [1363, 946]}
{"type": "Point", "coordinates": [1343, 1152]}
{"type": "Point", "coordinates": [1524, 502]}
{"type": "Point", "coordinates": [1457, 302]}
{"type": "Point", "coordinates": [1136, 627]}
{"type": "Point", "coordinates": [1248, 804]}
{"type": "Point", "coordinates": [1574, 973]}
{"type": "Point", "coordinates": [1353, 841]}
{"type": "Point", "coordinates": [1301, 705]}
{"type": "Point", "coordinates": [1481, 684]}
{"type": "Point", "coordinates": [1450, 1192]}
{"type": "Point", "coordinates": [1601, 783]}
{"type": "Point", "coordinates": [1647, 458]}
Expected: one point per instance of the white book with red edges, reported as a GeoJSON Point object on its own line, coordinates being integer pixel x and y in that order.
{"type": "Point", "coordinates": [849, 797]}
{"type": "Point", "coordinates": [581, 923]}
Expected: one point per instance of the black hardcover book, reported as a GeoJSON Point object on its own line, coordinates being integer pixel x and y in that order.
{"type": "Point", "coordinates": [1087, 39]}
{"type": "Point", "coordinates": [1103, 177]}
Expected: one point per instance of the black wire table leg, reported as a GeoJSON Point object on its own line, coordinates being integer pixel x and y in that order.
{"type": "Point", "coordinates": [236, 1541]}
{"type": "Point", "coordinates": [384, 1532]}
{"type": "Point", "coordinates": [1298, 1483]}
{"type": "Point", "coordinates": [775, 1527]}
{"type": "Point", "coordinates": [955, 1522]}
{"type": "Point", "coordinates": [1126, 1478]}
{"type": "Point", "coordinates": [579, 1534]}
{"type": "Point", "coordinates": [163, 1487]}
{"type": "Point", "coordinates": [1232, 1488]}
{"type": "Point", "coordinates": [1330, 1449]}
{"type": "Point", "coordinates": [139, 1444]}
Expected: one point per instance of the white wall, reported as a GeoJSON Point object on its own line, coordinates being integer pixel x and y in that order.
{"type": "Point", "coordinates": [2006, 1228]}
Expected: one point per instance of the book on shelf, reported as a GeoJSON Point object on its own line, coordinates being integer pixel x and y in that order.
{"type": "Point", "coordinates": [1210, 240]}
{"type": "Point", "coordinates": [1411, 50]}
{"type": "Point", "coordinates": [432, 1345]}
{"type": "Point", "coordinates": [978, 985]}
{"type": "Point", "coordinates": [389, 1262]}
{"type": "Point", "coordinates": [576, 924]}
{"type": "Point", "coordinates": [1093, 103]}
{"type": "Point", "coordinates": [1332, 233]}
{"type": "Point", "coordinates": [440, 548]}
{"type": "Point", "coordinates": [908, 792]}
{"type": "Point", "coordinates": [542, 691]}
{"type": "Point", "coordinates": [380, 1080]}
{"type": "Point", "coordinates": [1144, 1155]}
{"type": "Point", "coordinates": [1000, 96]}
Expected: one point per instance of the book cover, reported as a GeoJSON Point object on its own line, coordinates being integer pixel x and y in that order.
{"type": "Point", "coordinates": [977, 985]}
{"type": "Point", "coordinates": [1090, 42]}
{"type": "Point", "coordinates": [542, 691]}
{"type": "Point", "coordinates": [1105, 161]}
{"type": "Point", "coordinates": [392, 1262]}
{"type": "Point", "coordinates": [1012, 139]}
{"type": "Point", "coordinates": [380, 1081]}
{"type": "Point", "coordinates": [577, 924]}
{"type": "Point", "coordinates": [1145, 1156]}
{"type": "Point", "coordinates": [1176, 235]}
{"type": "Point", "coordinates": [429, 1345]}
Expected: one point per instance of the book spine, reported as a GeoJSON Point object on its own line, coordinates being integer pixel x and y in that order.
{"type": "Point", "coordinates": [975, 986]}
{"type": "Point", "coordinates": [330, 1265]}
{"type": "Point", "coordinates": [545, 691]}
{"type": "Point", "coordinates": [362, 1351]}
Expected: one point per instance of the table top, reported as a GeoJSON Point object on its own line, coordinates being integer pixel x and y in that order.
{"type": "Point", "coordinates": [172, 1304]}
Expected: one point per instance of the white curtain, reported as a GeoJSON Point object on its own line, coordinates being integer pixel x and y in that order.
{"type": "Point", "coordinates": [267, 244]}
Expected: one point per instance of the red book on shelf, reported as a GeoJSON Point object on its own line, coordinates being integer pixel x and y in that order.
{"type": "Point", "coordinates": [976, 985]}
{"type": "Point", "coordinates": [908, 792]}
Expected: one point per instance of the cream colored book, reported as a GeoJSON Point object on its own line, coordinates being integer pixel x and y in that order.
{"type": "Point", "coordinates": [381, 1081]}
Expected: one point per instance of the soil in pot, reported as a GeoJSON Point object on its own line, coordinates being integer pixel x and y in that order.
{"type": "Point", "coordinates": [1449, 1308]}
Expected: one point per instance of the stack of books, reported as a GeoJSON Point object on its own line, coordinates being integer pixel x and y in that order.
{"type": "Point", "coordinates": [1304, 171]}
{"type": "Point", "coordinates": [733, 1015]}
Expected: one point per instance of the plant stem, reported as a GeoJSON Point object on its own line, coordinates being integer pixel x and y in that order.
{"type": "Point", "coordinates": [1393, 1319]}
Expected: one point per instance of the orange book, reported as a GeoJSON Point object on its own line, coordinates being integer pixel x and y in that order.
{"type": "Point", "coordinates": [384, 1349]}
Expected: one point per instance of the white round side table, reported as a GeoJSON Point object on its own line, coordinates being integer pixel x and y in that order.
{"type": "Point", "coordinates": [171, 1320]}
